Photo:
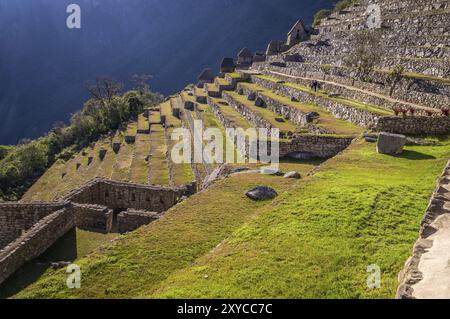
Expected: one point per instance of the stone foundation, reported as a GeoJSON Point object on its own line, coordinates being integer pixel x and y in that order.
{"type": "Point", "coordinates": [414, 125]}
{"type": "Point", "coordinates": [93, 217]}
{"type": "Point", "coordinates": [16, 218]}
{"type": "Point", "coordinates": [131, 219]}
{"type": "Point", "coordinates": [35, 241]}
{"type": "Point", "coordinates": [121, 195]}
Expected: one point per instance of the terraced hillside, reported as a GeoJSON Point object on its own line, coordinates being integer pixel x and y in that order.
{"type": "Point", "coordinates": [352, 208]}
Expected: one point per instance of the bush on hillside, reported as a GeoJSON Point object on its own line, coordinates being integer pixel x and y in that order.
{"type": "Point", "coordinates": [24, 164]}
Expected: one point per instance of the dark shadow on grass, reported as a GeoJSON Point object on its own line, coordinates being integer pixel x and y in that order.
{"type": "Point", "coordinates": [64, 249]}
{"type": "Point", "coordinates": [416, 156]}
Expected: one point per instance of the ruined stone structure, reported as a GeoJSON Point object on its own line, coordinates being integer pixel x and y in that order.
{"type": "Point", "coordinates": [244, 59]}
{"type": "Point", "coordinates": [227, 65]}
{"type": "Point", "coordinates": [29, 229]}
{"type": "Point", "coordinates": [207, 76]}
{"type": "Point", "coordinates": [297, 34]}
{"type": "Point", "coordinates": [130, 219]}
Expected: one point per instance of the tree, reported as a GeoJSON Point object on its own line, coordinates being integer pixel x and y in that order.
{"type": "Point", "coordinates": [104, 89]}
{"type": "Point", "coordinates": [395, 76]}
{"type": "Point", "coordinates": [365, 56]}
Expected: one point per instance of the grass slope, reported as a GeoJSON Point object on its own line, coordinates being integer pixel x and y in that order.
{"type": "Point", "coordinates": [318, 239]}
{"type": "Point", "coordinates": [136, 264]}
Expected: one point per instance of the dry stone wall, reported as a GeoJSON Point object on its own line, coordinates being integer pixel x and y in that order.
{"type": "Point", "coordinates": [314, 146]}
{"type": "Point", "coordinates": [17, 218]}
{"type": "Point", "coordinates": [120, 195]}
{"type": "Point", "coordinates": [438, 206]}
{"type": "Point", "coordinates": [414, 125]}
{"type": "Point", "coordinates": [35, 241]}
{"type": "Point", "coordinates": [93, 217]}
{"type": "Point", "coordinates": [131, 219]}
{"type": "Point", "coordinates": [291, 113]}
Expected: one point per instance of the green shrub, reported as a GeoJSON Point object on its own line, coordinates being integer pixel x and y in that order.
{"type": "Point", "coordinates": [321, 15]}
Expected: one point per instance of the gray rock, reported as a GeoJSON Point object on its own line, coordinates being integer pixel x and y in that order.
{"type": "Point", "coordinates": [293, 174]}
{"type": "Point", "coordinates": [371, 138]}
{"type": "Point", "coordinates": [60, 264]}
{"type": "Point", "coordinates": [332, 94]}
{"type": "Point", "coordinates": [391, 144]}
{"type": "Point", "coordinates": [261, 193]}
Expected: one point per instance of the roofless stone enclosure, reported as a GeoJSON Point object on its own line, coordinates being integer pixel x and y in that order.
{"type": "Point", "coordinates": [28, 229]}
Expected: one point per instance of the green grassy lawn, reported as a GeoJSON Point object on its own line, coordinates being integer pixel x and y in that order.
{"type": "Point", "coordinates": [106, 167]}
{"type": "Point", "coordinates": [222, 81]}
{"type": "Point", "coordinates": [200, 92]}
{"type": "Point", "coordinates": [235, 75]}
{"type": "Point", "coordinates": [427, 77]}
{"type": "Point", "coordinates": [154, 118]}
{"type": "Point", "coordinates": [268, 115]}
{"type": "Point", "coordinates": [166, 110]}
{"type": "Point", "coordinates": [159, 169]}
{"type": "Point", "coordinates": [317, 239]}
{"type": "Point", "coordinates": [143, 123]}
{"type": "Point", "coordinates": [139, 167]}
{"type": "Point", "coordinates": [182, 173]}
{"type": "Point", "coordinates": [211, 87]}
{"type": "Point", "coordinates": [122, 166]}
{"type": "Point", "coordinates": [138, 262]}
{"type": "Point", "coordinates": [327, 120]}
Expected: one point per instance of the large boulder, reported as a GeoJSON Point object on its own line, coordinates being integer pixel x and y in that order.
{"type": "Point", "coordinates": [261, 193]}
{"type": "Point", "coordinates": [391, 144]}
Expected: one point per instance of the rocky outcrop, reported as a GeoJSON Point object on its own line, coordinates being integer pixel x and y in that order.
{"type": "Point", "coordinates": [261, 193]}
{"type": "Point", "coordinates": [391, 144]}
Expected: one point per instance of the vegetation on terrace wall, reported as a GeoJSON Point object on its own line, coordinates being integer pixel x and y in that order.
{"type": "Point", "coordinates": [341, 5]}
{"type": "Point", "coordinates": [22, 165]}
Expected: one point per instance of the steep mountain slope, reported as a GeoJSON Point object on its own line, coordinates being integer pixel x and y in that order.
{"type": "Point", "coordinates": [44, 65]}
